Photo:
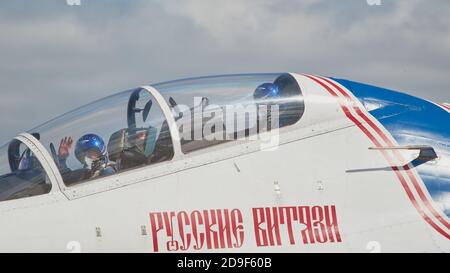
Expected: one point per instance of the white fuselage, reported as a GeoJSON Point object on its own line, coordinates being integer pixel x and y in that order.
{"type": "Point", "coordinates": [320, 190]}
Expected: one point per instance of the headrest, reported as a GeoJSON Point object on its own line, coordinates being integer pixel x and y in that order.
{"type": "Point", "coordinates": [116, 144]}
{"type": "Point", "coordinates": [140, 141]}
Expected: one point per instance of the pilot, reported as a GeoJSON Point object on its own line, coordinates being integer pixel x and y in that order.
{"type": "Point", "coordinates": [267, 95]}
{"type": "Point", "coordinates": [284, 93]}
{"type": "Point", "coordinates": [90, 151]}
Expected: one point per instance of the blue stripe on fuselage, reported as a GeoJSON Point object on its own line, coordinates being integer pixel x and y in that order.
{"type": "Point", "coordinates": [413, 121]}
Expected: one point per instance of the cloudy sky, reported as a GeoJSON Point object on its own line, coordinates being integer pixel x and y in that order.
{"type": "Point", "coordinates": [55, 57]}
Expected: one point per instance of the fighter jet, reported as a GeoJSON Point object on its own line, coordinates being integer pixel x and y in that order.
{"type": "Point", "coordinates": [261, 163]}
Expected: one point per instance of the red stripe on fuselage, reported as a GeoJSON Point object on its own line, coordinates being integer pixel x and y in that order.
{"type": "Point", "coordinates": [377, 144]}
{"type": "Point", "coordinates": [397, 154]}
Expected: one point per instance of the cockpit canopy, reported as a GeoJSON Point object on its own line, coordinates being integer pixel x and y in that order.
{"type": "Point", "coordinates": [135, 125]}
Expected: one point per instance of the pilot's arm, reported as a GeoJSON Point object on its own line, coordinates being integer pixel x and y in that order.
{"type": "Point", "coordinates": [64, 151]}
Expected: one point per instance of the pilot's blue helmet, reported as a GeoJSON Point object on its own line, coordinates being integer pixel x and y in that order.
{"type": "Point", "coordinates": [266, 91]}
{"type": "Point", "coordinates": [89, 143]}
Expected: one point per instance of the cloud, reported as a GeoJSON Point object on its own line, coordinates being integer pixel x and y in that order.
{"type": "Point", "coordinates": [55, 57]}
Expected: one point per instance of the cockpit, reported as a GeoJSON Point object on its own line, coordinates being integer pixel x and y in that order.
{"type": "Point", "coordinates": [214, 110]}
{"type": "Point", "coordinates": [134, 129]}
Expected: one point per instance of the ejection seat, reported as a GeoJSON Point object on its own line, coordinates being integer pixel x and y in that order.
{"type": "Point", "coordinates": [131, 148]}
